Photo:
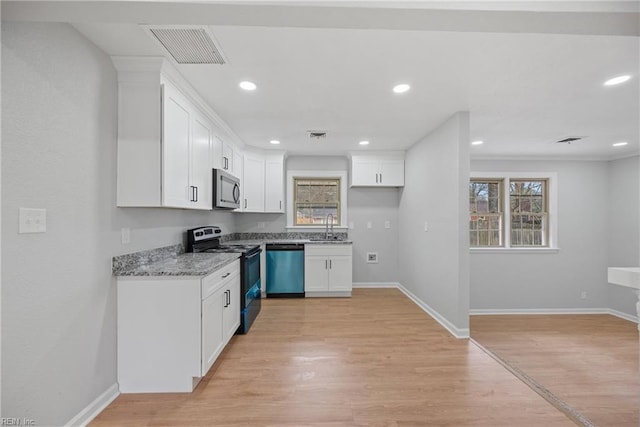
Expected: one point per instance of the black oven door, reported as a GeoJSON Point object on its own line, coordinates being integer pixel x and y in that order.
{"type": "Point", "coordinates": [251, 290]}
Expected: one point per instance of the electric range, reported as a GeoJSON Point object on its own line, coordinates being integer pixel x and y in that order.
{"type": "Point", "coordinates": [206, 239]}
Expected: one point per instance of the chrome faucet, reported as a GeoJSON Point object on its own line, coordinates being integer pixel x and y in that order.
{"type": "Point", "coordinates": [326, 231]}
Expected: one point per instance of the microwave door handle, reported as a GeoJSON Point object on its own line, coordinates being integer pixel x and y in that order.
{"type": "Point", "coordinates": [236, 193]}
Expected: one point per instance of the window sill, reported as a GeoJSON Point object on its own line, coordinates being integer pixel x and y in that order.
{"type": "Point", "coordinates": [514, 250]}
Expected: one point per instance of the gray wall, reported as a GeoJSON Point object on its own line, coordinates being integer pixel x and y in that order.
{"type": "Point", "coordinates": [58, 152]}
{"type": "Point", "coordinates": [375, 205]}
{"type": "Point", "coordinates": [434, 265]}
{"type": "Point", "coordinates": [624, 226]}
{"type": "Point", "coordinates": [552, 280]}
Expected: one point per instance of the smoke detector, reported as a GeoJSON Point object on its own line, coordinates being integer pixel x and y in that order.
{"type": "Point", "coordinates": [570, 139]}
{"type": "Point", "coordinates": [187, 44]}
{"type": "Point", "coordinates": [316, 135]}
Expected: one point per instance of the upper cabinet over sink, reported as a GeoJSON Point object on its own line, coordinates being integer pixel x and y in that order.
{"type": "Point", "coordinates": [168, 138]}
{"type": "Point", "coordinates": [381, 169]}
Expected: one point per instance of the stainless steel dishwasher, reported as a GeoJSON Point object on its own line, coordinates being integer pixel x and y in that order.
{"type": "Point", "coordinates": [285, 270]}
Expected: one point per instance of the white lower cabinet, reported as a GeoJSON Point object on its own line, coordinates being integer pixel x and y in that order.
{"type": "Point", "coordinates": [328, 270]}
{"type": "Point", "coordinates": [172, 329]}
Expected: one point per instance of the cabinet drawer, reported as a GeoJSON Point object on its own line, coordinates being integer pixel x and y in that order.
{"type": "Point", "coordinates": [328, 249]}
{"type": "Point", "coordinates": [218, 278]}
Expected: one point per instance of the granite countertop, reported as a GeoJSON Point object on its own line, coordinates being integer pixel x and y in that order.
{"type": "Point", "coordinates": [177, 263]}
{"type": "Point", "coordinates": [303, 241]}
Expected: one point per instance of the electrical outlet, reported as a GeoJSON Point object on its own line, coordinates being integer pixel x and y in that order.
{"type": "Point", "coordinates": [369, 224]}
{"type": "Point", "coordinates": [372, 257]}
{"type": "Point", "coordinates": [32, 220]}
{"type": "Point", "coordinates": [261, 225]}
{"type": "Point", "coordinates": [125, 235]}
{"type": "Point", "coordinates": [426, 226]}
{"type": "Point", "coordinates": [387, 224]}
{"type": "Point", "coordinates": [583, 295]}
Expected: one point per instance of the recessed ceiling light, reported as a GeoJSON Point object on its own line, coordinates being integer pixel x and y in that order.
{"type": "Point", "coordinates": [364, 143]}
{"type": "Point", "coordinates": [247, 85]}
{"type": "Point", "coordinates": [401, 88]}
{"type": "Point", "coordinates": [620, 144]}
{"type": "Point", "coordinates": [274, 142]}
{"type": "Point", "coordinates": [477, 142]}
{"type": "Point", "coordinates": [617, 80]}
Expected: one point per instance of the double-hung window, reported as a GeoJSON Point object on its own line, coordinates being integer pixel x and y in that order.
{"type": "Point", "coordinates": [510, 212]}
{"type": "Point", "coordinates": [315, 199]}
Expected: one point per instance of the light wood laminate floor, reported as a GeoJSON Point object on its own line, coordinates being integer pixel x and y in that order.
{"type": "Point", "coordinates": [588, 361]}
{"type": "Point", "coordinates": [375, 359]}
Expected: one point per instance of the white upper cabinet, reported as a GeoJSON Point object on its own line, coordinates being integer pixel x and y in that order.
{"type": "Point", "coordinates": [253, 183]}
{"type": "Point", "coordinates": [274, 183]}
{"type": "Point", "coordinates": [225, 156]}
{"type": "Point", "coordinates": [384, 169]}
{"type": "Point", "coordinates": [186, 153]}
{"type": "Point", "coordinates": [165, 138]}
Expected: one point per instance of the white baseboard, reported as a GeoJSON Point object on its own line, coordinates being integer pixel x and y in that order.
{"type": "Point", "coordinates": [92, 410]}
{"type": "Point", "coordinates": [533, 311]}
{"type": "Point", "coordinates": [453, 330]}
{"type": "Point", "coordinates": [376, 285]}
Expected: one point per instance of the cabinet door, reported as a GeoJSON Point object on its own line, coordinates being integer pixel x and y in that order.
{"type": "Point", "coordinates": [316, 273]}
{"type": "Point", "coordinates": [201, 175]}
{"type": "Point", "coordinates": [212, 333]}
{"type": "Point", "coordinates": [231, 316]}
{"type": "Point", "coordinates": [392, 173]}
{"type": "Point", "coordinates": [274, 185]}
{"type": "Point", "coordinates": [365, 172]}
{"type": "Point", "coordinates": [175, 149]}
{"type": "Point", "coordinates": [340, 273]}
{"type": "Point", "coordinates": [227, 156]}
{"type": "Point", "coordinates": [253, 200]}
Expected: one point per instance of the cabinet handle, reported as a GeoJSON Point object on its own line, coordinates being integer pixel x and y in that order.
{"type": "Point", "coordinates": [225, 165]}
{"type": "Point", "coordinates": [245, 203]}
{"type": "Point", "coordinates": [196, 188]}
{"type": "Point", "coordinates": [380, 178]}
{"type": "Point", "coordinates": [280, 204]}
{"type": "Point", "coordinates": [325, 264]}
{"type": "Point", "coordinates": [226, 275]}
{"type": "Point", "coordinates": [330, 265]}
{"type": "Point", "coordinates": [228, 298]}
{"type": "Point", "coordinates": [376, 178]}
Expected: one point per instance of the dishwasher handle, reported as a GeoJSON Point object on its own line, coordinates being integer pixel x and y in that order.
{"type": "Point", "coordinates": [285, 247]}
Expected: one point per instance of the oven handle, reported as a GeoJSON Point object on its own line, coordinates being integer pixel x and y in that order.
{"type": "Point", "coordinates": [252, 255]}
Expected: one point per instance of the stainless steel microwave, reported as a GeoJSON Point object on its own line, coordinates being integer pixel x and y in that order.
{"type": "Point", "coordinates": [226, 190]}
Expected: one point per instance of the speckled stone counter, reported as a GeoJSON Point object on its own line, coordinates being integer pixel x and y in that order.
{"type": "Point", "coordinates": [304, 241]}
{"type": "Point", "coordinates": [170, 261]}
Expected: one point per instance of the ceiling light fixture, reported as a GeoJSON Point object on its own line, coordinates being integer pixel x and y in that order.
{"type": "Point", "coordinates": [247, 85]}
{"type": "Point", "coordinates": [620, 144]}
{"type": "Point", "coordinates": [477, 142]}
{"type": "Point", "coordinates": [274, 142]}
{"type": "Point", "coordinates": [401, 88]}
{"type": "Point", "coordinates": [364, 143]}
{"type": "Point", "coordinates": [617, 80]}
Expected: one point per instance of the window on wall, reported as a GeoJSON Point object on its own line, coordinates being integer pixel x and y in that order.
{"type": "Point", "coordinates": [315, 199]}
{"type": "Point", "coordinates": [528, 208]}
{"type": "Point", "coordinates": [486, 217]}
{"type": "Point", "coordinates": [510, 212]}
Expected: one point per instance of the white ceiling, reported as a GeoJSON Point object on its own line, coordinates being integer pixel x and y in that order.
{"type": "Point", "coordinates": [332, 68]}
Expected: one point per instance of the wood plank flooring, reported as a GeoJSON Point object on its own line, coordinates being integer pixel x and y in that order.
{"type": "Point", "coordinates": [375, 359]}
{"type": "Point", "coordinates": [588, 361]}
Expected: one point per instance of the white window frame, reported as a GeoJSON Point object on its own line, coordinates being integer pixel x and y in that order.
{"type": "Point", "coordinates": [342, 175]}
{"type": "Point", "coordinates": [552, 200]}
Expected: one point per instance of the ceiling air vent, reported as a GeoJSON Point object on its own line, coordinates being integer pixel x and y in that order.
{"type": "Point", "coordinates": [570, 139]}
{"type": "Point", "coordinates": [188, 45]}
{"type": "Point", "coordinates": [316, 135]}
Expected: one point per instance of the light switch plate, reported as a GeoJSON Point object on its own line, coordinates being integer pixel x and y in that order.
{"type": "Point", "coordinates": [125, 234]}
{"type": "Point", "coordinates": [387, 224]}
{"type": "Point", "coordinates": [32, 220]}
{"type": "Point", "coordinates": [372, 257]}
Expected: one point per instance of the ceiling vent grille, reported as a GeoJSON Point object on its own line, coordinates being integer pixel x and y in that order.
{"type": "Point", "coordinates": [316, 135]}
{"type": "Point", "coordinates": [568, 140]}
{"type": "Point", "coordinates": [188, 45]}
